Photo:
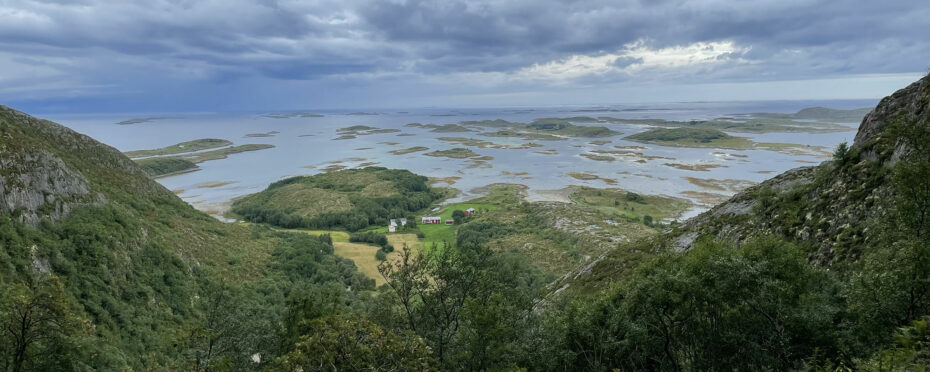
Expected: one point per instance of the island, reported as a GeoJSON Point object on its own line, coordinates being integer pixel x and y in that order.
{"type": "Point", "coordinates": [712, 138]}
{"type": "Point", "coordinates": [184, 157]}
{"type": "Point", "coordinates": [350, 199]}
{"type": "Point", "coordinates": [189, 146]}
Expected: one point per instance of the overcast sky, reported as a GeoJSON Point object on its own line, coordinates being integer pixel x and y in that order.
{"type": "Point", "coordinates": [218, 55]}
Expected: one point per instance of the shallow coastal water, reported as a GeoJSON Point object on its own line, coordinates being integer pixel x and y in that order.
{"type": "Point", "coordinates": [308, 145]}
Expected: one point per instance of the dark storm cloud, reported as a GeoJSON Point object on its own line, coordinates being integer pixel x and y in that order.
{"type": "Point", "coordinates": [133, 43]}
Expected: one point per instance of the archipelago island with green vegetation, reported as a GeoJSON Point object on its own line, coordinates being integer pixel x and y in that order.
{"type": "Point", "coordinates": [822, 267]}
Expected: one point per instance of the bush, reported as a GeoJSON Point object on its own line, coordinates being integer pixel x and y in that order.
{"type": "Point", "coordinates": [756, 307]}
{"type": "Point", "coordinates": [380, 255]}
{"type": "Point", "coordinates": [636, 198]}
{"type": "Point", "coordinates": [843, 155]}
{"type": "Point", "coordinates": [369, 237]}
{"type": "Point", "coordinates": [387, 248]}
{"type": "Point", "coordinates": [647, 220]}
{"type": "Point", "coordinates": [458, 215]}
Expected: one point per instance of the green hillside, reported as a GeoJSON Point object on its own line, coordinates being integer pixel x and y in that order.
{"type": "Point", "coordinates": [121, 274]}
{"type": "Point", "coordinates": [350, 199]}
{"type": "Point", "coordinates": [167, 166]}
{"type": "Point", "coordinates": [817, 268]}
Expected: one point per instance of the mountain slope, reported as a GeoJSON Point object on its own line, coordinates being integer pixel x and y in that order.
{"type": "Point", "coordinates": [819, 268]}
{"type": "Point", "coordinates": [833, 208]}
{"type": "Point", "coordinates": [127, 262]}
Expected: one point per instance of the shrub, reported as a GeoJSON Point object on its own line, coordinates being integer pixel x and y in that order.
{"type": "Point", "coordinates": [647, 220]}
{"type": "Point", "coordinates": [369, 237]}
{"type": "Point", "coordinates": [636, 198]}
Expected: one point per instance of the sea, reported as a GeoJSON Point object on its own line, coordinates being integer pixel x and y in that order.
{"type": "Point", "coordinates": [309, 145]}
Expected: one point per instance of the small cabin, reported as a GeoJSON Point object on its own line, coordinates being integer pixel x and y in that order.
{"type": "Point", "coordinates": [392, 228]}
{"type": "Point", "coordinates": [470, 212]}
{"type": "Point", "coordinates": [430, 221]}
{"type": "Point", "coordinates": [393, 222]}
{"type": "Point", "coordinates": [403, 222]}
{"type": "Point", "coordinates": [450, 222]}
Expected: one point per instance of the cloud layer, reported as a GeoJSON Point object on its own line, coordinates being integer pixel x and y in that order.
{"type": "Point", "coordinates": [223, 54]}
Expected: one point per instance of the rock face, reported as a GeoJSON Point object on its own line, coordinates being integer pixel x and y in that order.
{"type": "Point", "coordinates": [831, 208]}
{"type": "Point", "coordinates": [828, 206]}
{"type": "Point", "coordinates": [47, 170]}
{"type": "Point", "coordinates": [909, 104]}
{"type": "Point", "coordinates": [37, 184]}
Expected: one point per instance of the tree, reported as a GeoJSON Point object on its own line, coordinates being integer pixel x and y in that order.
{"type": "Point", "coordinates": [911, 350]}
{"type": "Point", "coordinates": [756, 307]}
{"type": "Point", "coordinates": [36, 322]}
{"type": "Point", "coordinates": [432, 288]}
{"type": "Point", "coordinates": [467, 302]}
{"type": "Point", "coordinates": [225, 332]}
{"type": "Point", "coordinates": [458, 215]}
{"type": "Point", "coordinates": [339, 343]}
{"type": "Point", "coordinates": [841, 154]}
{"type": "Point", "coordinates": [636, 198]}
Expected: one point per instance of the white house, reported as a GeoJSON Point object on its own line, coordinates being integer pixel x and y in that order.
{"type": "Point", "coordinates": [393, 222]}
{"type": "Point", "coordinates": [392, 228]}
{"type": "Point", "coordinates": [430, 220]}
{"type": "Point", "coordinates": [403, 222]}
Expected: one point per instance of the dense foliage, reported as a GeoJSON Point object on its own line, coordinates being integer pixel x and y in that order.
{"type": "Point", "coordinates": [412, 194]}
{"type": "Point", "coordinates": [156, 167]}
{"type": "Point", "coordinates": [369, 237]}
{"type": "Point", "coordinates": [145, 307]}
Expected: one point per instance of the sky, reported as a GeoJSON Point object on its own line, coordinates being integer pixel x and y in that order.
{"type": "Point", "coordinates": [240, 55]}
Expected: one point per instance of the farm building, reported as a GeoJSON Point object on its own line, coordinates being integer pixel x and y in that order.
{"type": "Point", "coordinates": [403, 222]}
{"type": "Point", "coordinates": [450, 222]}
{"type": "Point", "coordinates": [392, 228]}
{"type": "Point", "coordinates": [470, 212]}
{"type": "Point", "coordinates": [430, 220]}
{"type": "Point", "coordinates": [393, 222]}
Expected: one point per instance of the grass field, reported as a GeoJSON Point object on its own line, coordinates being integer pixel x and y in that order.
{"type": "Point", "coordinates": [438, 234]}
{"type": "Point", "coordinates": [338, 236]}
{"type": "Point", "coordinates": [364, 257]}
{"type": "Point", "coordinates": [616, 202]}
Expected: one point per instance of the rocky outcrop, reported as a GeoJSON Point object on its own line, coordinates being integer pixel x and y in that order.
{"type": "Point", "coordinates": [910, 104]}
{"type": "Point", "coordinates": [833, 208]}
{"type": "Point", "coordinates": [36, 184]}
{"type": "Point", "coordinates": [48, 170]}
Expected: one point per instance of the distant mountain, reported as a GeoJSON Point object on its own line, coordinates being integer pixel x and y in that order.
{"type": "Point", "coordinates": [821, 114]}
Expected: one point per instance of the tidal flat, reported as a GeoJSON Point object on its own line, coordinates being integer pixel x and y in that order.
{"type": "Point", "coordinates": [499, 141]}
